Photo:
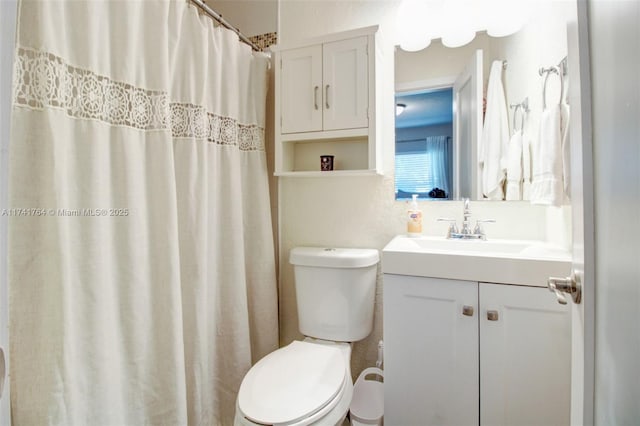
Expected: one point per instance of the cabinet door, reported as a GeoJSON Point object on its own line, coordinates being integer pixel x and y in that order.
{"type": "Point", "coordinates": [430, 351]}
{"type": "Point", "coordinates": [525, 353]}
{"type": "Point", "coordinates": [346, 84]}
{"type": "Point", "coordinates": [301, 90]}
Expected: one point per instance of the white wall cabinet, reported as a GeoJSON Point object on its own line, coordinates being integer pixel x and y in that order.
{"type": "Point", "coordinates": [468, 353]}
{"type": "Point", "coordinates": [326, 104]}
{"type": "Point", "coordinates": [325, 87]}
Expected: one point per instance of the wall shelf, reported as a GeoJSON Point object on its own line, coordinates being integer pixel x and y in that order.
{"type": "Point", "coordinates": [328, 174]}
{"type": "Point", "coordinates": [325, 135]}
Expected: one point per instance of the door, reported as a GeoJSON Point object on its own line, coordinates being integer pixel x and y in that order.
{"type": "Point", "coordinates": [467, 129]}
{"type": "Point", "coordinates": [8, 16]}
{"type": "Point", "coordinates": [346, 84]}
{"type": "Point", "coordinates": [583, 246]}
{"type": "Point", "coordinates": [431, 351]}
{"type": "Point", "coordinates": [301, 89]}
{"type": "Point", "coordinates": [614, 35]}
{"type": "Point", "coordinates": [525, 355]}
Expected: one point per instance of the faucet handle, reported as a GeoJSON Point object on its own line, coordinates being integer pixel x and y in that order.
{"type": "Point", "coordinates": [453, 228]}
{"type": "Point", "coordinates": [479, 230]}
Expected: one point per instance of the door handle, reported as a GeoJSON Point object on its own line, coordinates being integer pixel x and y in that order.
{"type": "Point", "coordinates": [3, 371]}
{"type": "Point", "coordinates": [315, 97]}
{"type": "Point", "coordinates": [467, 310]}
{"type": "Point", "coordinates": [326, 96]}
{"type": "Point", "coordinates": [492, 315]}
{"type": "Point", "coordinates": [570, 285]}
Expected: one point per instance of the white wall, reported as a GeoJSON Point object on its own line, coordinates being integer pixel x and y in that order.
{"type": "Point", "coordinates": [347, 212]}
{"type": "Point", "coordinates": [615, 61]}
{"type": "Point", "coordinates": [361, 211]}
{"type": "Point", "coordinates": [251, 17]}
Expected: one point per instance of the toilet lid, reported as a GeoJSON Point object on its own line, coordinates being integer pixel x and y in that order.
{"type": "Point", "coordinates": [292, 383]}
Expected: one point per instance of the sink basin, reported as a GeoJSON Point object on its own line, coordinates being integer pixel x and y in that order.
{"type": "Point", "coordinates": [521, 262]}
{"type": "Point", "coordinates": [441, 244]}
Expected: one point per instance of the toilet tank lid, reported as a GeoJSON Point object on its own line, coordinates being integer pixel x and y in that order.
{"type": "Point", "coordinates": [333, 257]}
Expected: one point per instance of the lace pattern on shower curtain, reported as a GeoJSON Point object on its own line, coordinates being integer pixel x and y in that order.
{"type": "Point", "coordinates": [42, 79]}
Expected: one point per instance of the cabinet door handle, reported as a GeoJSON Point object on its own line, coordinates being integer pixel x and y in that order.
{"type": "Point", "coordinates": [3, 371]}
{"type": "Point", "coordinates": [492, 315]}
{"type": "Point", "coordinates": [326, 96]}
{"type": "Point", "coordinates": [467, 310]}
{"type": "Point", "coordinates": [315, 97]}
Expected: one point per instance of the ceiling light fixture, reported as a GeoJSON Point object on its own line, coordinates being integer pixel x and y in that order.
{"type": "Point", "coordinates": [456, 22]}
{"type": "Point", "coordinates": [400, 108]}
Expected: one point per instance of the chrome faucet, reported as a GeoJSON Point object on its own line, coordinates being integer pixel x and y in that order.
{"type": "Point", "coordinates": [466, 214]}
{"type": "Point", "coordinates": [466, 233]}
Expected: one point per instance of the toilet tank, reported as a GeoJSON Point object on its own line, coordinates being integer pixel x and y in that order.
{"type": "Point", "coordinates": [335, 291]}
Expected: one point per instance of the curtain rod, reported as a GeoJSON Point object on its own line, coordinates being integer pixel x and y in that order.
{"type": "Point", "coordinates": [217, 17]}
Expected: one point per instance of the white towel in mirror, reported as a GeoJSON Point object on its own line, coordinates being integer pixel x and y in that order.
{"type": "Point", "coordinates": [514, 167]}
{"type": "Point", "coordinates": [495, 137]}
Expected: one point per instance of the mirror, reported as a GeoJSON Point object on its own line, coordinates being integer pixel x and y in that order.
{"type": "Point", "coordinates": [439, 147]}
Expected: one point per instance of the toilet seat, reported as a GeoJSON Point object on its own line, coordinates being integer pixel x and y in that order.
{"type": "Point", "coordinates": [294, 385]}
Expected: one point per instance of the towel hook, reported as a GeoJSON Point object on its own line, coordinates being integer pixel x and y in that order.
{"type": "Point", "coordinates": [556, 70]}
{"type": "Point", "coordinates": [515, 113]}
{"type": "Point", "coordinates": [524, 109]}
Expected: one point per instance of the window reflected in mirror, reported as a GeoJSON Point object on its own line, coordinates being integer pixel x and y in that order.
{"type": "Point", "coordinates": [424, 144]}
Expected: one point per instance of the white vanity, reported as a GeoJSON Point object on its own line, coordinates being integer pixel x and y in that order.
{"type": "Point", "coordinates": [472, 334]}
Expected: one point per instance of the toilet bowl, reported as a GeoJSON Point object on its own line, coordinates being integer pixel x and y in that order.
{"type": "Point", "coordinates": [309, 382]}
{"type": "Point", "coordinates": [305, 383]}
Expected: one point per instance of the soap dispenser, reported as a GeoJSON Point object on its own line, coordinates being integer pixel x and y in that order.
{"type": "Point", "coordinates": [414, 218]}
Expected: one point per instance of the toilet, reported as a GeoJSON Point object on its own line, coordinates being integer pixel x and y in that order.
{"type": "Point", "coordinates": [308, 382]}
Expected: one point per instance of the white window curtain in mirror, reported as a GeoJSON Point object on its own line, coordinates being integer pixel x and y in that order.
{"type": "Point", "coordinates": [142, 273]}
{"type": "Point", "coordinates": [422, 165]}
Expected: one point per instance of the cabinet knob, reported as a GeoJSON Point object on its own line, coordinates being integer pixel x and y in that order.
{"type": "Point", "coordinates": [467, 310]}
{"type": "Point", "coordinates": [492, 315]}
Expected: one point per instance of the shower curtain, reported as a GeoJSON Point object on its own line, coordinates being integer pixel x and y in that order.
{"type": "Point", "coordinates": [141, 262]}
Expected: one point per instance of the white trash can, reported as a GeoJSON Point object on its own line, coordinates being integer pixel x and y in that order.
{"type": "Point", "coordinates": [367, 403]}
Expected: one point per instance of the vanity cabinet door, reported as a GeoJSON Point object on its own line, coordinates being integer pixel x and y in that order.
{"type": "Point", "coordinates": [431, 351]}
{"type": "Point", "coordinates": [525, 355]}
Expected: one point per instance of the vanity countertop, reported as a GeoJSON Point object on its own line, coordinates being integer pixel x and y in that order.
{"type": "Point", "coordinates": [520, 262]}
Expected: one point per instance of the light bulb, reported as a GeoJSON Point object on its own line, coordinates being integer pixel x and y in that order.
{"type": "Point", "coordinates": [411, 23]}
{"type": "Point", "coordinates": [459, 28]}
